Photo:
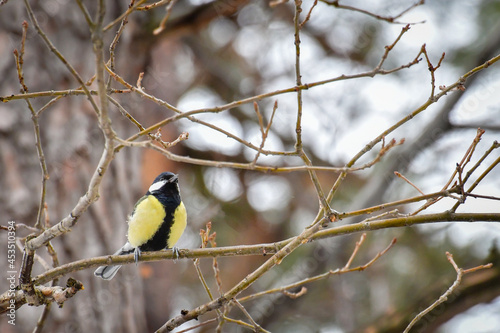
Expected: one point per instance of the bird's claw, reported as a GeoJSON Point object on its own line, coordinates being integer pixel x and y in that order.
{"type": "Point", "coordinates": [137, 254]}
{"type": "Point", "coordinates": [176, 253]}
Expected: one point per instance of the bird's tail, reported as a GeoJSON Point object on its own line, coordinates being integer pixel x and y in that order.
{"type": "Point", "coordinates": [109, 272]}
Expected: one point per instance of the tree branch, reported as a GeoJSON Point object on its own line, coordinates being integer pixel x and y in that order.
{"type": "Point", "coordinates": [444, 297]}
{"type": "Point", "coordinates": [280, 249]}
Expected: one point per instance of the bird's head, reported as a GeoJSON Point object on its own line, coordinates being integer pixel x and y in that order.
{"type": "Point", "coordinates": [166, 179]}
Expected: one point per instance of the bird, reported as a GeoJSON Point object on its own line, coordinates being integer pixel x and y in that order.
{"type": "Point", "coordinates": [156, 223]}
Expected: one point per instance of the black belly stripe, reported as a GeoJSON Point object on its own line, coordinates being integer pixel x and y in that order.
{"type": "Point", "coordinates": [159, 240]}
{"type": "Point", "coordinates": [170, 199]}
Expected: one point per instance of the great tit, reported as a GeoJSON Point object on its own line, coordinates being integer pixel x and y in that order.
{"type": "Point", "coordinates": [156, 223]}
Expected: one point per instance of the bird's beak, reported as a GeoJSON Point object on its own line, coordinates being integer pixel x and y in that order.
{"type": "Point", "coordinates": [174, 179]}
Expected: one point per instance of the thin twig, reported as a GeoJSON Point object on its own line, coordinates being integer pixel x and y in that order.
{"type": "Point", "coordinates": [355, 251]}
{"type": "Point", "coordinates": [481, 196]}
{"type": "Point", "coordinates": [467, 156]}
{"type": "Point", "coordinates": [163, 22]}
{"type": "Point", "coordinates": [85, 13]}
{"type": "Point", "coordinates": [256, 327]}
{"type": "Point", "coordinates": [202, 278]}
{"type": "Point", "coordinates": [264, 132]}
{"type": "Point", "coordinates": [223, 164]}
{"type": "Point", "coordinates": [206, 322]}
{"type": "Point", "coordinates": [344, 270]}
{"type": "Point", "coordinates": [444, 297]}
{"type": "Point", "coordinates": [238, 322]}
{"type": "Point", "coordinates": [392, 213]}
{"type": "Point", "coordinates": [325, 206]}
{"type": "Point", "coordinates": [432, 68]}
{"type": "Point", "coordinates": [153, 5]}
{"type": "Point", "coordinates": [493, 146]}
{"type": "Point", "coordinates": [274, 260]}
{"type": "Point", "coordinates": [388, 48]}
{"type": "Point", "coordinates": [408, 181]}
{"type": "Point", "coordinates": [114, 43]}
{"type": "Point", "coordinates": [423, 107]}
{"type": "Point", "coordinates": [381, 153]}
{"type": "Point", "coordinates": [48, 104]}
{"type": "Point", "coordinates": [34, 117]}
{"type": "Point", "coordinates": [204, 235]}
{"type": "Point", "coordinates": [62, 93]}
{"type": "Point", "coordinates": [479, 179]}
{"type": "Point", "coordinates": [295, 295]}
{"type": "Point", "coordinates": [308, 16]}
{"type": "Point", "coordinates": [59, 55]}
{"type": "Point", "coordinates": [390, 19]}
{"type": "Point", "coordinates": [126, 13]}
{"type": "Point", "coordinates": [107, 156]}
{"type": "Point", "coordinates": [215, 264]}
{"type": "Point", "coordinates": [180, 115]}
{"type": "Point", "coordinates": [298, 76]}
{"type": "Point", "coordinates": [55, 263]}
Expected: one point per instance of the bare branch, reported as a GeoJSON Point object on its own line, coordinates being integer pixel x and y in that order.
{"type": "Point", "coordinates": [443, 298]}
{"type": "Point", "coordinates": [107, 156]}
{"type": "Point", "coordinates": [408, 181]}
{"type": "Point", "coordinates": [308, 16]}
{"type": "Point", "coordinates": [390, 19]}
{"type": "Point", "coordinates": [260, 249]}
{"type": "Point", "coordinates": [163, 22]}
{"type": "Point", "coordinates": [34, 117]}
{"type": "Point", "coordinates": [265, 132]}
{"type": "Point", "coordinates": [125, 14]}
{"type": "Point", "coordinates": [58, 54]}
{"type": "Point", "coordinates": [256, 327]}
{"type": "Point", "coordinates": [344, 270]}
{"type": "Point", "coordinates": [460, 82]}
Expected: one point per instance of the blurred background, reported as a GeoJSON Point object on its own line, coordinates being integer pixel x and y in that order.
{"type": "Point", "coordinates": [214, 52]}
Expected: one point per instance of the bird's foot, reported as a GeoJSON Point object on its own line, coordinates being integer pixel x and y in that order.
{"type": "Point", "coordinates": [137, 254]}
{"type": "Point", "coordinates": [175, 252]}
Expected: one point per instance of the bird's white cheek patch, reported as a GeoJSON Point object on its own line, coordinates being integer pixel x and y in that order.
{"type": "Point", "coordinates": [157, 186]}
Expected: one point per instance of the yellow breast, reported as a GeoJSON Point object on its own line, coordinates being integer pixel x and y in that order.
{"type": "Point", "coordinates": [147, 218]}
{"type": "Point", "coordinates": [179, 225]}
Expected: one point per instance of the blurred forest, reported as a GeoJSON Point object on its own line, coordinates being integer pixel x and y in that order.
{"type": "Point", "coordinates": [267, 140]}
